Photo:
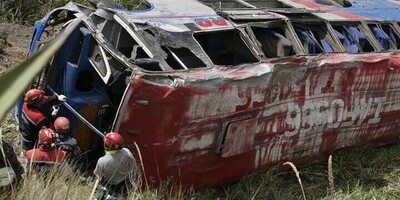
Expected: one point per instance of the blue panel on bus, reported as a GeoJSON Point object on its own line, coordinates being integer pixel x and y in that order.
{"type": "Point", "coordinates": [373, 9]}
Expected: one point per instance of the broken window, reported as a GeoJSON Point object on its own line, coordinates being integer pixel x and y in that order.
{"type": "Point", "coordinates": [314, 41]}
{"type": "Point", "coordinates": [182, 58]}
{"type": "Point", "coordinates": [394, 37]}
{"type": "Point", "coordinates": [273, 41]}
{"type": "Point", "coordinates": [122, 40]}
{"type": "Point", "coordinates": [111, 71]}
{"type": "Point", "coordinates": [60, 17]}
{"type": "Point", "coordinates": [225, 47]}
{"type": "Point", "coordinates": [72, 54]}
{"type": "Point", "coordinates": [97, 59]}
{"type": "Point", "coordinates": [150, 65]}
{"type": "Point", "coordinates": [382, 35]}
{"type": "Point", "coordinates": [353, 39]}
{"type": "Point", "coordinates": [109, 68]}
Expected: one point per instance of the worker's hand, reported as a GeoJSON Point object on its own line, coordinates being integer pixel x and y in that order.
{"type": "Point", "coordinates": [55, 110]}
{"type": "Point", "coordinates": [62, 98]}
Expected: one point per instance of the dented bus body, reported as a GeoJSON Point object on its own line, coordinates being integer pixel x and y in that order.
{"type": "Point", "coordinates": [210, 91]}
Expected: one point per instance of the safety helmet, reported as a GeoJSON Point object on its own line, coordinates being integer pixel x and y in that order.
{"type": "Point", "coordinates": [47, 136]}
{"type": "Point", "coordinates": [113, 141]}
{"type": "Point", "coordinates": [61, 124]}
{"type": "Point", "coordinates": [34, 97]}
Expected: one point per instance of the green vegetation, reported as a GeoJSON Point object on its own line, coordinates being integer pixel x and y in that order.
{"type": "Point", "coordinates": [28, 11]}
{"type": "Point", "coordinates": [367, 174]}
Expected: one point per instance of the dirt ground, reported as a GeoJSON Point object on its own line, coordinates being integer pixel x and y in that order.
{"type": "Point", "coordinates": [14, 42]}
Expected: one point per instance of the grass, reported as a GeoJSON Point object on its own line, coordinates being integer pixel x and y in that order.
{"type": "Point", "coordinates": [367, 174]}
{"type": "Point", "coordinates": [61, 186]}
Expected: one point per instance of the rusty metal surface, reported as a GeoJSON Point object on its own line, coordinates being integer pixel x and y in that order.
{"type": "Point", "coordinates": [283, 110]}
{"type": "Point", "coordinates": [211, 125]}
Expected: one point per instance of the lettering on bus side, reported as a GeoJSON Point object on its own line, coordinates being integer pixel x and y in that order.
{"type": "Point", "coordinates": [335, 113]}
{"type": "Point", "coordinates": [323, 109]}
{"type": "Point", "coordinates": [327, 97]}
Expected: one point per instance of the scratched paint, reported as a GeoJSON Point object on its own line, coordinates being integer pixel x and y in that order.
{"type": "Point", "coordinates": [322, 107]}
{"type": "Point", "coordinates": [209, 106]}
{"type": "Point", "coordinates": [307, 119]}
{"type": "Point", "coordinates": [233, 120]}
{"type": "Point", "coordinates": [198, 143]}
{"type": "Point", "coordinates": [202, 126]}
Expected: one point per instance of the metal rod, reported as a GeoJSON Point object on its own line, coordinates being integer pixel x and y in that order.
{"type": "Point", "coordinates": [244, 3]}
{"type": "Point", "coordinates": [177, 58]}
{"type": "Point", "coordinates": [78, 115]}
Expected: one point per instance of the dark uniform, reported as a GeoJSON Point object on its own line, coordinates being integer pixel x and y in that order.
{"type": "Point", "coordinates": [33, 119]}
{"type": "Point", "coordinates": [68, 144]}
{"type": "Point", "coordinates": [46, 158]}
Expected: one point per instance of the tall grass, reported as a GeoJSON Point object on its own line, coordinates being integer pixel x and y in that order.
{"type": "Point", "coordinates": [294, 168]}
{"type": "Point", "coordinates": [330, 178]}
{"type": "Point", "coordinates": [58, 185]}
{"type": "Point", "coordinates": [270, 185]}
{"type": "Point", "coordinates": [368, 174]}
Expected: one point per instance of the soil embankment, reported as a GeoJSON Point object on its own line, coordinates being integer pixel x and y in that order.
{"type": "Point", "coordinates": [14, 41]}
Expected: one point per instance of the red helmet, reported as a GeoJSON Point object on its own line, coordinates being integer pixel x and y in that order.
{"type": "Point", "coordinates": [46, 136]}
{"type": "Point", "coordinates": [34, 96]}
{"type": "Point", "coordinates": [61, 124]}
{"type": "Point", "coordinates": [113, 141]}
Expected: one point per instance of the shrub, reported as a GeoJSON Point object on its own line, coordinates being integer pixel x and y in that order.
{"type": "Point", "coordinates": [28, 11]}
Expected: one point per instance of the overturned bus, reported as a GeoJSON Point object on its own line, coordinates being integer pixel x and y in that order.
{"type": "Point", "coordinates": [213, 90]}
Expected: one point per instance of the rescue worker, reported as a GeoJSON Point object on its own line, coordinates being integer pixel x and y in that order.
{"type": "Point", "coordinates": [114, 167]}
{"type": "Point", "coordinates": [45, 155]}
{"type": "Point", "coordinates": [33, 117]}
{"type": "Point", "coordinates": [64, 140]}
